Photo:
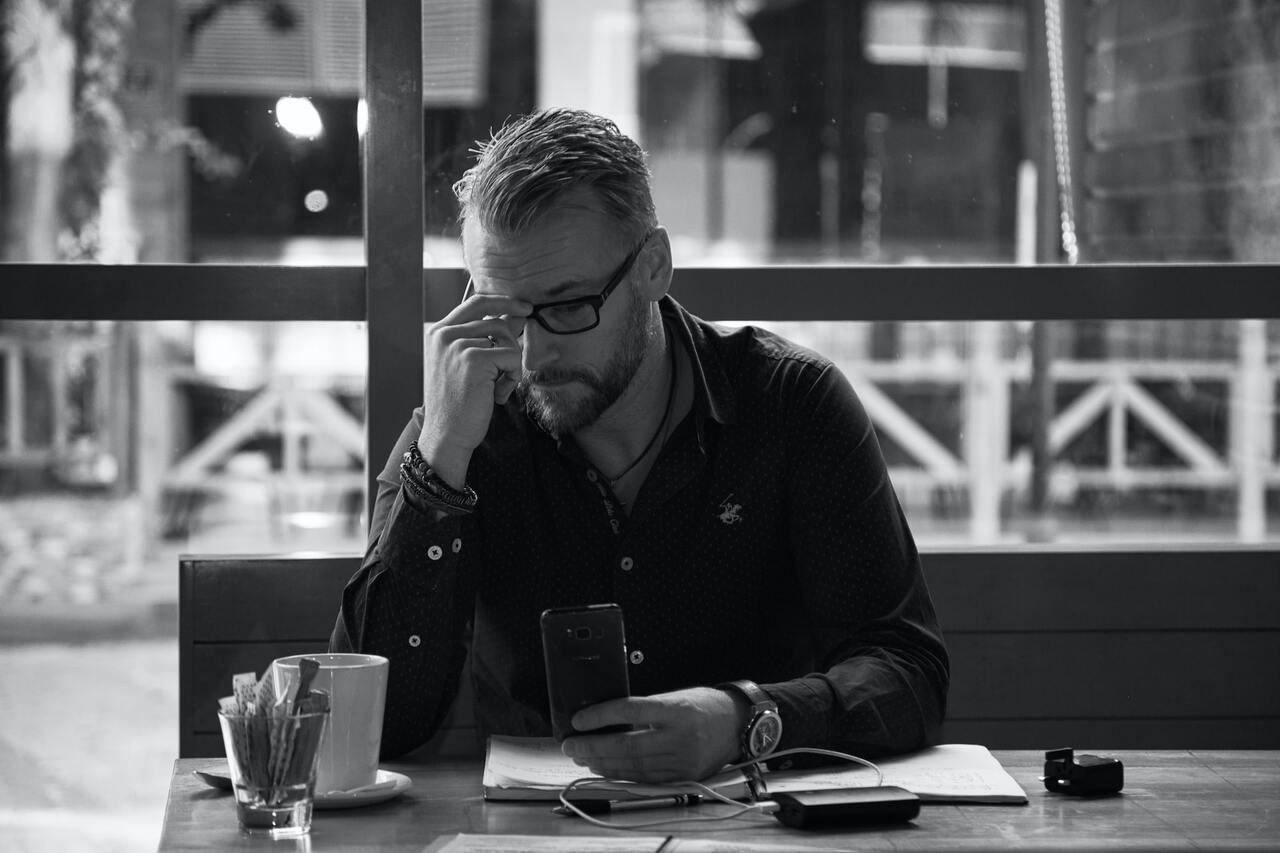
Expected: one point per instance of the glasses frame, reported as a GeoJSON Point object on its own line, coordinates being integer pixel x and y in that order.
{"type": "Point", "coordinates": [595, 300]}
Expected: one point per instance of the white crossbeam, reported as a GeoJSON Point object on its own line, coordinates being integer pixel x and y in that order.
{"type": "Point", "coordinates": [1177, 435]}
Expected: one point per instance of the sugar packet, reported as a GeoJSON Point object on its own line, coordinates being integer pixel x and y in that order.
{"type": "Point", "coordinates": [273, 738]}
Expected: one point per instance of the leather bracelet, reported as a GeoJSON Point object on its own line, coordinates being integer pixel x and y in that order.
{"type": "Point", "coordinates": [426, 485]}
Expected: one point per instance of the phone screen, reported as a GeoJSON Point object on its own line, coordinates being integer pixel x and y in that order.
{"type": "Point", "coordinates": [585, 652]}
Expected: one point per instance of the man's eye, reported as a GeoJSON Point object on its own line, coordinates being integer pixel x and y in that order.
{"type": "Point", "coordinates": [569, 312]}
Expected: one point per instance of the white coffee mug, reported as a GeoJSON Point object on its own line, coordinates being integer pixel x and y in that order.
{"type": "Point", "coordinates": [357, 688]}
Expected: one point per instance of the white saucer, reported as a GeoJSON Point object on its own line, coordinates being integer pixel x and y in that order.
{"type": "Point", "coordinates": [352, 799]}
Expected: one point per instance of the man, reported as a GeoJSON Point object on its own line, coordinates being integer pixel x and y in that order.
{"type": "Point", "coordinates": [583, 439]}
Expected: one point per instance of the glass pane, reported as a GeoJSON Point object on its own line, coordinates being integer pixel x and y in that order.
{"type": "Point", "coordinates": [123, 445]}
{"type": "Point", "coordinates": [904, 132]}
{"type": "Point", "coordinates": [160, 131]}
{"type": "Point", "coordinates": [1156, 431]}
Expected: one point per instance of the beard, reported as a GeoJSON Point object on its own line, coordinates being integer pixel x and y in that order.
{"type": "Point", "coordinates": [564, 409]}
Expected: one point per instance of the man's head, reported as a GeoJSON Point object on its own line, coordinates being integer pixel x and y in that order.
{"type": "Point", "coordinates": [556, 208]}
{"type": "Point", "coordinates": [524, 169]}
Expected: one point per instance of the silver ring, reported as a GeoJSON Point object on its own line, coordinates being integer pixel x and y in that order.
{"type": "Point", "coordinates": [493, 342]}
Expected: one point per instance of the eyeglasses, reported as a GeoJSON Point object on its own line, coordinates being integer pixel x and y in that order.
{"type": "Point", "coordinates": [582, 313]}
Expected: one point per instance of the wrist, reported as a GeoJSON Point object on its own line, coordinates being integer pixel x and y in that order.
{"type": "Point", "coordinates": [762, 731]}
{"type": "Point", "coordinates": [738, 714]}
{"type": "Point", "coordinates": [426, 486]}
{"type": "Point", "coordinates": [741, 708]}
{"type": "Point", "coordinates": [448, 462]}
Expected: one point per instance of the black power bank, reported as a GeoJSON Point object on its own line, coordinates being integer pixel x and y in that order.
{"type": "Point", "coordinates": [846, 807]}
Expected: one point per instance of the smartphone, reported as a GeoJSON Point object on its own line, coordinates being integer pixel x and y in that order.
{"type": "Point", "coordinates": [585, 653]}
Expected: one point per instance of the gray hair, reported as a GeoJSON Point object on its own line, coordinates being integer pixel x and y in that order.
{"type": "Point", "coordinates": [523, 168]}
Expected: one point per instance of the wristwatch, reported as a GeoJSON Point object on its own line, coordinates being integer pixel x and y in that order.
{"type": "Point", "coordinates": [763, 731]}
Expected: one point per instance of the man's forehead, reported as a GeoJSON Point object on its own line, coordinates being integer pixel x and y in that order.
{"type": "Point", "coordinates": [577, 211]}
{"type": "Point", "coordinates": [553, 256]}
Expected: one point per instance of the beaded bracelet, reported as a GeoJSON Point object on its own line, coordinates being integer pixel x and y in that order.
{"type": "Point", "coordinates": [426, 485]}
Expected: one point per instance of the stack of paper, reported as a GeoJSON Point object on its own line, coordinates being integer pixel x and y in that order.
{"type": "Point", "coordinates": [950, 773]}
{"type": "Point", "coordinates": [535, 769]}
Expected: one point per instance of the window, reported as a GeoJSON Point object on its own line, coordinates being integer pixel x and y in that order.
{"type": "Point", "coordinates": [915, 177]}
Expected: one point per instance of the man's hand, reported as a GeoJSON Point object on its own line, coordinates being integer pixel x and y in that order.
{"type": "Point", "coordinates": [473, 361]}
{"type": "Point", "coordinates": [678, 736]}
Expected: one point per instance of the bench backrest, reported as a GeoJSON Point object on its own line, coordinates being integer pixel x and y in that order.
{"type": "Point", "coordinates": [1124, 648]}
{"type": "Point", "coordinates": [1129, 648]}
{"type": "Point", "coordinates": [239, 613]}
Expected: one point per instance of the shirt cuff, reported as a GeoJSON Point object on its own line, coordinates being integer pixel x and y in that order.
{"type": "Point", "coordinates": [417, 538]}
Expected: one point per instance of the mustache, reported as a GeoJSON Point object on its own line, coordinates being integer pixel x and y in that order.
{"type": "Point", "coordinates": [554, 375]}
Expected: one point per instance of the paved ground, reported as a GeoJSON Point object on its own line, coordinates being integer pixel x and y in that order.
{"type": "Point", "coordinates": [89, 667]}
{"type": "Point", "coordinates": [88, 735]}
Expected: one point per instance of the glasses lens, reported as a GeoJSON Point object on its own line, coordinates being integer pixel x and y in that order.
{"type": "Point", "coordinates": [576, 317]}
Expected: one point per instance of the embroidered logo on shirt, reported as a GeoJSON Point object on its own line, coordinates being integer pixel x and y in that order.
{"type": "Point", "coordinates": [729, 511]}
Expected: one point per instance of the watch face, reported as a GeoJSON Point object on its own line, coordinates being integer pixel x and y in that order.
{"type": "Point", "coordinates": [765, 734]}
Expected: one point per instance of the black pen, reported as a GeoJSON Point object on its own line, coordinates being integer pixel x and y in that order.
{"type": "Point", "coordinates": [595, 807]}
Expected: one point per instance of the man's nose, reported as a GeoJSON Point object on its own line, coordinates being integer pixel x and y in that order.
{"type": "Point", "coordinates": [539, 347]}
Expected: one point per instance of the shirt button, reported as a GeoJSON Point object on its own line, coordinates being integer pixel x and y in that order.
{"type": "Point", "coordinates": [637, 656]}
{"type": "Point", "coordinates": [435, 552]}
{"type": "Point", "coordinates": [457, 545]}
{"type": "Point", "coordinates": [415, 640]}
{"type": "Point", "coordinates": [626, 563]}
{"type": "Point", "coordinates": [591, 475]}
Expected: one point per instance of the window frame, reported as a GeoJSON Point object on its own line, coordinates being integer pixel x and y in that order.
{"type": "Point", "coordinates": [380, 293]}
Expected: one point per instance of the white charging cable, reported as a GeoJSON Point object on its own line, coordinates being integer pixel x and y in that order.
{"type": "Point", "coordinates": [600, 783]}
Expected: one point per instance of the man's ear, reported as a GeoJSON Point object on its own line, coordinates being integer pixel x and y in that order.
{"type": "Point", "coordinates": [656, 266]}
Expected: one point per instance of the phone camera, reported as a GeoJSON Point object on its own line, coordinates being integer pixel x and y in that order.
{"type": "Point", "coordinates": [583, 633]}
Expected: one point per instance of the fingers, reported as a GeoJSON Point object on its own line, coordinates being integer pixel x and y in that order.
{"type": "Point", "coordinates": [487, 305]}
{"type": "Point", "coordinates": [472, 358]}
{"type": "Point", "coordinates": [482, 316]}
{"type": "Point", "coordinates": [685, 734]}
{"type": "Point", "coordinates": [651, 755]}
{"type": "Point", "coordinates": [504, 387]}
{"type": "Point", "coordinates": [657, 751]}
{"type": "Point", "coordinates": [633, 710]}
{"type": "Point", "coordinates": [641, 743]}
{"type": "Point", "coordinates": [504, 331]}
{"type": "Point", "coordinates": [480, 350]}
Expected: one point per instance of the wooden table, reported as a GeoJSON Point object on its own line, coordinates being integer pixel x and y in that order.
{"type": "Point", "coordinates": [1172, 800]}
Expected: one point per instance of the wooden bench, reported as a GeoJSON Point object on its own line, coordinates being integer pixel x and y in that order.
{"type": "Point", "coordinates": [1137, 648]}
{"type": "Point", "coordinates": [239, 613]}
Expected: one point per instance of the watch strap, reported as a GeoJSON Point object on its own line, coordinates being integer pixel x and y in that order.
{"type": "Point", "coordinates": [750, 691]}
{"type": "Point", "coordinates": [761, 704]}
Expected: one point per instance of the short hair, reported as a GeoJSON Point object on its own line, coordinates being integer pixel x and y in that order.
{"type": "Point", "coordinates": [523, 168]}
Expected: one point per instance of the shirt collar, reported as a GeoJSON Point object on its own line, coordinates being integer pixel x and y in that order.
{"type": "Point", "coordinates": [714, 397]}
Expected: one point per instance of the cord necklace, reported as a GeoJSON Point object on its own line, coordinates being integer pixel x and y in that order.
{"type": "Point", "coordinates": [666, 413]}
